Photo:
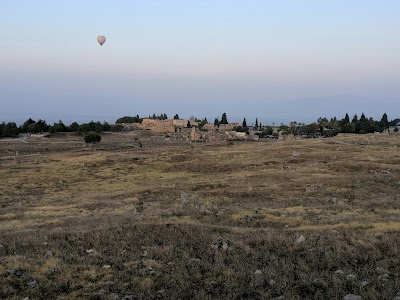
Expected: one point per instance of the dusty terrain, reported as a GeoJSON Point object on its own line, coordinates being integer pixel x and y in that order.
{"type": "Point", "coordinates": [137, 217]}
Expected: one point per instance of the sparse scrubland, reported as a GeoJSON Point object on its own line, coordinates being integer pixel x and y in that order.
{"type": "Point", "coordinates": [137, 217]}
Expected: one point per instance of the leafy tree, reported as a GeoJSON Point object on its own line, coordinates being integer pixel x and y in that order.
{"type": "Point", "coordinates": [117, 127]}
{"type": "Point", "coordinates": [2, 129]}
{"type": "Point", "coordinates": [216, 122]}
{"type": "Point", "coordinates": [362, 118]}
{"type": "Point", "coordinates": [11, 130]}
{"type": "Point", "coordinates": [106, 126]}
{"type": "Point", "coordinates": [244, 124]}
{"type": "Point", "coordinates": [224, 119]}
{"type": "Point", "coordinates": [396, 129]}
{"type": "Point", "coordinates": [176, 117]}
{"type": "Point", "coordinates": [355, 119]}
{"type": "Point", "coordinates": [24, 127]}
{"type": "Point", "coordinates": [189, 125]}
{"type": "Point", "coordinates": [385, 121]}
{"type": "Point", "coordinates": [73, 127]}
{"type": "Point", "coordinates": [256, 125]}
{"type": "Point", "coordinates": [57, 127]}
{"type": "Point", "coordinates": [241, 129]}
{"type": "Point", "coordinates": [348, 128]}
{"type": "Point", "coordinates": [346, 119]}
{"type": "Point", "coordinates": [92, 138]}
{"type": "Point", "coordinates": [311, 129]}
{"type": "Point", "coordinates": [128, 120]}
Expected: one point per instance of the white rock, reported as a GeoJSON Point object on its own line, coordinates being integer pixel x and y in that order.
{"type": "Point", "coordinates": [300, 239]}
{"type": "Point", "coordinates": [339, 272]}
{"type": "Point", "coordinates": [352, 297]}
{"type": "Point", "coordinates": [106, 266]}
{"type": "Point", "coordinates": [351, 277]}
{"type": "Point", "coordinates": [258, 272]}
{"type": "Point", "coordinates": [271, 282]}
{"type": "Point", "coordinates": [90, 251]}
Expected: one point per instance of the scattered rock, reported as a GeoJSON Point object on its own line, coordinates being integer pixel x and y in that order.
{"type": "Point", "coordinates": [384, 277]}
{"type": "Point", "coordinates": [352, 297]}
{"type": "Point", "coordinates": [335, 232]}
{"type": "Point", "coordinates": [128, 297]}
{"type": "Point", "coordinates": [89, 251]}
{"type": "Point", "coordinates": [364, 283]}
{"type": "Point", "coordinates": [220, 243]}
{"type": "Point", "coordinates": [339, 272]}
{"type": "Point", "coordinates": [140, 206]}
{"type": "Point", "coordinates": [32, 284]}
{"type": "Point", "coordinates": [301, 239]}
{"type": "Point", "coordinates": [114, 297]}
{"type": "Point", "coordinates": [147, 271]}
{"type": "Point", "coordinates": [196, 200]}
{"type": "Point", "coordinates": [351, 277]}
{"type": "Point", "coordinates": [381, 270]}
{"type": "Point", "coordinates": [8, 290]}
{"type": "Point", "coordinates": [185, 198]}
{"type": "Point", "coordinates": [258, 272]}
{"type": "Point", "coordinates": [26, 298]}
{"type": "Point", "coordinates": [106, 266]}
{"type": "Point", "coordinates": [271, 282]}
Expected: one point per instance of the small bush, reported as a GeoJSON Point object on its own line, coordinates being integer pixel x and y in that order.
{"type": "Point", "coordinates": [92, 138]}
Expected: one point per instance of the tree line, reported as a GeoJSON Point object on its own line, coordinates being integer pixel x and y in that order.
{"type": "Point", "coordinates": [31, 126]}
{"type": "Point", "coordinates": [323, 126]}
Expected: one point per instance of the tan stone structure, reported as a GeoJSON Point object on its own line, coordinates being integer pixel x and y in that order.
{"type": "Point", "coordinates": [157, 125]}
{"type": "Point", "coordinates": [228, 127]}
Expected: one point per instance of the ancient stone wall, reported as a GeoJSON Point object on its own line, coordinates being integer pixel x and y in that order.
{"type": "Point", "coordinates": [157, 125]}
{"type": "Point", "coordinates": [227, 127]}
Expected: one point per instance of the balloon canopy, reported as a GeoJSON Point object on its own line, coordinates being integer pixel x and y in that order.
{"type": "Point", "coordinates": [101, 39]}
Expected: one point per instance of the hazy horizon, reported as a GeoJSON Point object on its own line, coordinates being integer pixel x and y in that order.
{"type": "Point", "coordinates": [279, 61]}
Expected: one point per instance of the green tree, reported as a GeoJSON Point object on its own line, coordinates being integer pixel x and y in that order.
{"type": "Point", "coordinates": [24, 127]}
{"type": "Point", "coordinates": [92, 138]}
{"type": "Point", "coordinates": [106, 126]}
{"type": "Point", "coordinates": [117, 127]}
{"type": "Point", "coordinates": [176, 117]}
{"type": "Point", "coordinates": [256, 125]}
{"type": "Point", "coordinates": [224, 119]}
{"type": "Point", "coordinates": [73, 127]}
{"type": "Point", "coordinates": [189, 125]}
{"type": "Point", "coordinates": [2, 129]}
{"type": "Point", "coordinates": [355, 119]}
{"type": "Point", "coordinates": [244, 124]}
{"type": "Point", "coordinates": [216, 122]}
{"type": "Point", "coordinates": [348, 128]}
{"type": "Point", "coordinates": [346, 119]}
{"type": "Point", "coordinates": [11, 130]}
{"type": "Point", "coordinates": [385, 121]}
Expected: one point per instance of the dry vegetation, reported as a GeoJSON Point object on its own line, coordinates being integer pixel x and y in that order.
{"type": "Point", "coordinates": [109, 222]}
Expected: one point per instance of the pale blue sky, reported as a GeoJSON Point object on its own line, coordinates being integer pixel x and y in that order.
{"type": "Point", "coordinates": [246, 58]}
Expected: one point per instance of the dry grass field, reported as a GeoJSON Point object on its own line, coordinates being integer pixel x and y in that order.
{"type": "Point", "coordinates": [136, 217]}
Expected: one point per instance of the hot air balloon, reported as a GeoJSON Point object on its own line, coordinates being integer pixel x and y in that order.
{"type": "Point", "coordinates": [101, 39]}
